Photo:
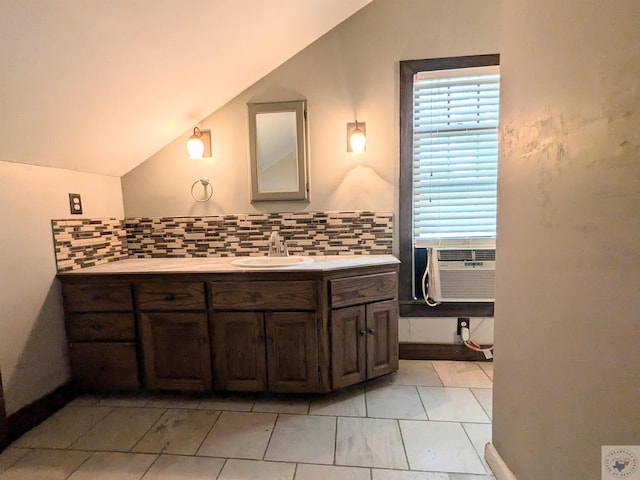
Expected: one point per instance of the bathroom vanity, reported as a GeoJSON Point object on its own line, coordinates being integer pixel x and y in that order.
{"type": "Point", "coordinates": [201, 324]}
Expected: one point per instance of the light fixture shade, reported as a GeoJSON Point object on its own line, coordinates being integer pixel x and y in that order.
{"type": "Point", "coordinates": [357, 137]}
{"type": "Point", "coordinates": [199, 144]}
{"type": "Point", "coordinates": [195, 147]}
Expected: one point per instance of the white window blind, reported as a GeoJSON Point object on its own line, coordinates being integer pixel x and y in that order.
{"type": "Point", "coordinates": [455, 153]}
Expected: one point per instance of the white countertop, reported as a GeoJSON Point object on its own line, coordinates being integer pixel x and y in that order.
{"type": "Point", "coordinates": [320, 263]}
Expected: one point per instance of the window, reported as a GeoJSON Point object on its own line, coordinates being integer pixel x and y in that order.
{"type": "Point", "coordinates": [448, 158]}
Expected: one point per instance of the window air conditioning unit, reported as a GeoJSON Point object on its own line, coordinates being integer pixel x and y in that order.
{"type": "Point", "coordinates": [462, 274]}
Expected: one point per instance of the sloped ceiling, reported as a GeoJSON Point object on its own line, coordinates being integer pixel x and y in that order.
{"type": "Point", "coordinates": [100, 85]}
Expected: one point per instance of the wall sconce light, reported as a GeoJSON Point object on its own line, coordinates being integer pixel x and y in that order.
{"type": "Point", "coordinates": [199, 144]}
{"type": "Point", "coordinates": [356, 137]}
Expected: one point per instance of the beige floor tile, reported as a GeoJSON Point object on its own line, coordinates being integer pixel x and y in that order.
{"type": "Point", "coordinates": [281, 404]}
{"type": "Point", "coordinates": [45, 465]}
{"type": "Point", "coordinates": [349, 402]}
{"type": "Point", "coordinates": [439, 447]}
{"type": "Point", "coordinates": [256, 470]}
{"type": "Point", "coordinates": [480, 435]}
{"type": "Point", "coordinates": [236, 403]}
{"type": "Point", "coordinates": [416, 372]}
{"type": "Point", "coordinates": [330, 472]}
{"type": "Point", "coordinates": [394, 401]}
{"type": "Point", "coordinates": [177, 467]}
{"type": "Point", "coordinates": [120, 430]}
{"type": "Point", "coordinates": [133, 400]}
{"type": "Point", "coordinates": [462, 476]}
{"type": "Point", "coordinates": [303, 438]}
{"type": "Point", "coordinates": [84, 401]}
{"type": "Point", "coordinates": [487, 367]}
{"type": "Point", "coordinates": [63, 428]}
{"type": "Point", "coordinates": [452, 404]}
{"type": "Point", "coordinates": [369, 442]}
{"type": "Point", "coordinates": [239, 435]}
{"type": "Point", "coordinates": [10, 456]}
{"type": "Point", "coordinates": [377, 474]}
{"type": "Point", "coordinates": [485, 397]}
{"type": "Point", "coordinates": [179, 431]}
{"type": "Point", "coordinates": [114, 466]}
{"type": "Point", "coordinates": [461, 374]}
{"type": "Point", "coordinates": [174, 401]}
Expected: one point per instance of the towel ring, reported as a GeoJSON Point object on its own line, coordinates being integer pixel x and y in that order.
{"type": "Point", "coordinates": [205, 183]}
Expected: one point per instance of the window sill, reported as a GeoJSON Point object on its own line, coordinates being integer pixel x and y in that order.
{"type": "Point", "coordinates": [417, 308]}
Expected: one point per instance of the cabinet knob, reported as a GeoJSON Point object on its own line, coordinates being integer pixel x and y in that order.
{"type": "Point", "coordinates": [372, 331]}
{"type": "Point", "coordinates": [363, 332]}
{"type": "Point", "coordinates": [169, 298]}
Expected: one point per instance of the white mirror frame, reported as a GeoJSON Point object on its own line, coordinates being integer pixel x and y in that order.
{"type": "Point", "coordinates": [277, 134]}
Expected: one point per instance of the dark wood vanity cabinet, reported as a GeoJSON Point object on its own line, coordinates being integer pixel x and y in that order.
{"type": "Point", "coordinates": [174, 335]}
{"type": "Point", "coordinates": [258, 351]}
{"type": "Point", "coordinates": [101, 330]}
{"type": "Point", "coordinates": [265, 335]}
{"type": "Point", "coordinates": [364, 328]}
{"type": "Point", "coordinates": [239, 351]}
{"type": "Point", "coordinates": [295, 332]}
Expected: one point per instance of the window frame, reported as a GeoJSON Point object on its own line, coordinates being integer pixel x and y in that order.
{"type": "Point", "coordinates": [409, 306]}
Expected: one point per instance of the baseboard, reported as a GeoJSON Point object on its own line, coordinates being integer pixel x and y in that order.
{"type": "Point", "coordinates": [39, 410]}
{"type": "Point", "coordinates": [499, 468]}
{"type": "Point", "coordinates": [438, 351]}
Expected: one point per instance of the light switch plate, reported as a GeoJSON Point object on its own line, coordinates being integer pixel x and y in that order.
{"type": "Point", "coordinates": [75, 204]}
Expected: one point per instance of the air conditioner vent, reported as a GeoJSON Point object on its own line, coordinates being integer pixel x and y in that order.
{"type": "Point", "coordinates": [451, 255]}
{"type": "Point", "coordinates": [455, 255]}
{"type": "Point", "coordinates": [486, 255]}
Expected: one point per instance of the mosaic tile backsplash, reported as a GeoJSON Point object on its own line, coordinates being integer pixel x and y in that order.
{"type": "Point", "coordinates": [85, 242]}
{"type": "Point", "coordinates": [314, 233]}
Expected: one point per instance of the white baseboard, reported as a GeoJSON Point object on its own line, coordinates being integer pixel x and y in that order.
{"type": "Point", "coordinates": [500, 469]}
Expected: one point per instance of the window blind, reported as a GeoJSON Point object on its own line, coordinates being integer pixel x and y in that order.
{"type": "Point", "coordinates": [455, 153]}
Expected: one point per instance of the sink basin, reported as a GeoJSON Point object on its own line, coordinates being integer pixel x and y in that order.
{"type": "Point", "coordinates": [268, 262]}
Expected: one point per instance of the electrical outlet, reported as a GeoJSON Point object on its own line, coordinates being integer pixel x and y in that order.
{"type": "Point", "coordinates": [463, 322]}
{"type": "Point", "coordinates": [75, 203]}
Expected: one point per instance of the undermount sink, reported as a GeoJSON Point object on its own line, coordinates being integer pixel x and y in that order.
{"type": "Point", "coordinates": [267, 262]}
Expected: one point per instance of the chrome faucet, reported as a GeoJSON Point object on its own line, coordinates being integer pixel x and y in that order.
{"type": "Point", "coordinates": [277, 247]}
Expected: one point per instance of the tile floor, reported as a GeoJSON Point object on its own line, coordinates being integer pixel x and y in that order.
{"type": "Point", "coordinates": [428, 421]}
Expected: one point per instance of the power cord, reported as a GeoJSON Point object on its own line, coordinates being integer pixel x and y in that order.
{"type": "Point", "coordinates": [425, 294]}
{"type": "Point", "coordinates": [470, 344]}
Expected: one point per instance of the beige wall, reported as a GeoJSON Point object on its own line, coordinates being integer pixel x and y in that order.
{"type": "Point", "coordinates": [567, 325]}
{"type": "Point", "coordinates": [352, 72]}
{"type": "Point", "coordinates": [32, 343]}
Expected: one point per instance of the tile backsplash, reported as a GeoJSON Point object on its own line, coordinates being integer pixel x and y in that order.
{"type": "Point", "coordinates": [85, 242]}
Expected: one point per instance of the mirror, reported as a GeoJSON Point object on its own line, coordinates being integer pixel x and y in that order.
{"type": "Point", "coordinates": [278, 150]}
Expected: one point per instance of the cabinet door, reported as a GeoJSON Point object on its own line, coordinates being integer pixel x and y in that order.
{"type": "Point", "coordinates": [104, 366]}
{"type": "Point", "coordinates": [176, 351]}
{"type": "Point", "coordinates": [292, 351]}
{"type": "Point", "coordinates": [348, 343]}
{"type": "Point", "coordinates": [240, 359]}
{"type": "Point", "coordinates": [382, 338]}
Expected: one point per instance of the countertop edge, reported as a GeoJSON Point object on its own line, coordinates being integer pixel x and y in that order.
{"type": "Point", "coordinates": [222, 265]}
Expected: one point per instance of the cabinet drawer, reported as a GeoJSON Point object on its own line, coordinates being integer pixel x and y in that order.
{"type": "Point", "coordinates": [98, 326]}
{"type": "Point", "coordinates": [287, 295]}
{"type": "Point", "coordinates": [104, 366]}
{"type": "Point", "coordinates": [96, 298]}
{"type": "Point", "coordinates": [363, 289]}
{"type": "Point", "coordinates": [170, 296]}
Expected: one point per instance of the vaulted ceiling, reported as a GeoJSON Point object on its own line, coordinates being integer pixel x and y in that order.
{"type": "Point", "coordinates": [100, 85]}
